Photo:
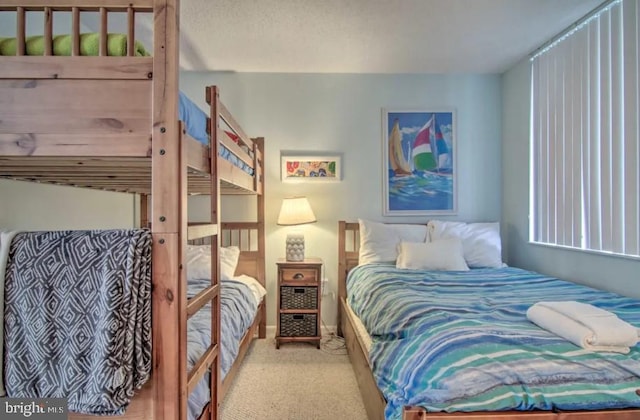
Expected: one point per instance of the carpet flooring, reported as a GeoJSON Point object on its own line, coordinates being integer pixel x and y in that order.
{"type": "Point", "coordinates": [298, 381]}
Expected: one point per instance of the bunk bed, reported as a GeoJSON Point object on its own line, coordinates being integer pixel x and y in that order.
{"type": "Point", "coordinates": [248, 238]}
{"type": "Point", "coordinates": [111, 123]}
{"type": "Point", "coordinates": [447, 320]}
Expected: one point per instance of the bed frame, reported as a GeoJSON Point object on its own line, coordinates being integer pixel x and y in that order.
{"type": "Point", "coordinates": [348, 246]}
{"type": "Point", "coordinates": [250, 238]}
{"type": "Point", "coordinates": [111, 123]}
{"type": "Point", "coordinates": [251, 263]}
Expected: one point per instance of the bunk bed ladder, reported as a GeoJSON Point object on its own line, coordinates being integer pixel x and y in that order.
{"type": "Point", "coordinates": [169, 184]}
{"type": "Point", "coordinates": [213, 99]}
{"type": "Point", "coordinates": [210, 360]}
{"type": "Point", "coordinates": [259, 165]}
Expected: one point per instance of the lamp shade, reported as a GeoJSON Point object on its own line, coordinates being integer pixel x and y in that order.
{"type": "Point", "coordinates": [296, 211]}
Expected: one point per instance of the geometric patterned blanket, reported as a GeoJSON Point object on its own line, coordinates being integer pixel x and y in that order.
{"type": "Point", "coordinates": [77, 317]}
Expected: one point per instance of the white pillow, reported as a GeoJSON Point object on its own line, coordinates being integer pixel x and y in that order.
{"type": "Point", "coordinates": [480, 241]}
{"type": "Point", "coordinates": [258, 291]}
{"type": "Point", "coordinates": [379, 241]}
{"type": "Point", "coordinates": [229, 256]}
{"type": "Point", "coordinates": [444, 254]}
{"type": "Point", "coordinates": [199, 261]}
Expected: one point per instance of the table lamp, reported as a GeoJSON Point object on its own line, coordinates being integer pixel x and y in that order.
{"type": "Point", "coordinates": [295, 211]}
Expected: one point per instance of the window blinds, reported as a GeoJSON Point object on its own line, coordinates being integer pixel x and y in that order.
{"type": "Point", "coordinates": [585, 141]}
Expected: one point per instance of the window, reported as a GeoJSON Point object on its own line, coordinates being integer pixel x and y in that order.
{"type": "Point", "coordinates": [585, 143]}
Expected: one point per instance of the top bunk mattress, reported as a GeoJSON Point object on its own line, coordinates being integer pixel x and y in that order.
{"type": "Point", "coordinates": [195, 121]}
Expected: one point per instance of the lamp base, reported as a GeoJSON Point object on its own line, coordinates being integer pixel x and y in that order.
{"type": "Point", "coordinates": [295, 247]}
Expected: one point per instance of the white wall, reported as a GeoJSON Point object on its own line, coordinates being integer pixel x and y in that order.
{"type": "Point", "coordinates": [616, 274]}
{"type": "Point", "coordinates": [31, 206]}
{"type": "Point", "coordinates": [341, 113]}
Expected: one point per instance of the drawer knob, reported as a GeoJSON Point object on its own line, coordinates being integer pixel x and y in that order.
{"type": "Point", "coordinates": [298, 276]}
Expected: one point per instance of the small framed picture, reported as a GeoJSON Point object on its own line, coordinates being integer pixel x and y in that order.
{"type": "Point", "coordinates": [305, 168]}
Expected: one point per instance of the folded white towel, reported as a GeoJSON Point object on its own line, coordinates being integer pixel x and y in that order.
{"type": "Point", "coordinates": [585, 325]}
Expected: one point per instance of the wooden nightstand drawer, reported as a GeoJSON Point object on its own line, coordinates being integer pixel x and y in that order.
{"type": "Point", "coordinates": [298, 325]}
{"type": "Point", "coordinates": [299, 274]}
{"type": "Point", "coordinates": [303, 297]}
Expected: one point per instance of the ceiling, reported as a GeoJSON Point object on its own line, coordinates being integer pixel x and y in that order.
{"type": "Point", "coordinates": [369, 36]}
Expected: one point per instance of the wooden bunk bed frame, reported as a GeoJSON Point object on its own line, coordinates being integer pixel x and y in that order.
{"type": "Point", "coordinates": [252, 263]}
{"type": "Point", "coordinates": [111, 123]}
{"type": "Point", "coordinates": [375, 403]}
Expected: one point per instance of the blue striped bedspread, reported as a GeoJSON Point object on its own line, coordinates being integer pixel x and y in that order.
{"type": "Point", "coordinates": [460, 341]}
{"type": "Point", "coordinates": [238, 309]}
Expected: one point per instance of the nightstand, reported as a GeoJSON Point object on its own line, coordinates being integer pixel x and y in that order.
{"type": "Point", "coordinates": [299, 295]}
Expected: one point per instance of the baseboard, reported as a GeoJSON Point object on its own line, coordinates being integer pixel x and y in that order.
{"type": "Point", "coordinates": [327, 330]}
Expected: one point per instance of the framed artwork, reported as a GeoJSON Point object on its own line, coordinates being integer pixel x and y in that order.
{"type": "Point", "coordinates": [300, 168]}
{"type": "Point", "coordinates": [419, 162]}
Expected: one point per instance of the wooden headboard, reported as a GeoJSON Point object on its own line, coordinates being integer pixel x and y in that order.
{"type": "Point", "coordinates": [348, 249]}
{"type": "Point", "coordinates": [249, 238]}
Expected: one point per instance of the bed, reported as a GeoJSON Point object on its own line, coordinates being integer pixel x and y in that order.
{"type": "Point", "coordinates": [243, 306]}
{"type": "Point", "coordinates": [433, 344]}
{"type": "Point", "coordinates": [112, 123]}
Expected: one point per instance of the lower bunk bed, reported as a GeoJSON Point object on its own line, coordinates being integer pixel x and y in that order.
{"type": "Point", "coordinates": [429, 344]}
{"type": "Point", "coordinates": [242, 305]}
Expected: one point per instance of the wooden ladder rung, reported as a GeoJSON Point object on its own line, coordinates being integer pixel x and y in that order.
{"type": "Point", "coordinates": [201, 230]}
{"type": "Point", "coordinates": [198, 301]}
{"type": "Point", "coordinates": [201, 367]}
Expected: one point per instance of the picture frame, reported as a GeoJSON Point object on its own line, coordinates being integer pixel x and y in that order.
{"type": "Point", "coordinates": [311, 168]}
{"type": "Point", "coordinates": [419, 162]}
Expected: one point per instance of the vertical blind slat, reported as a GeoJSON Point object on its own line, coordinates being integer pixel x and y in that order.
{"type": "Point", "coordinates": [616, 161]}
{"type": "Point", "coordinates": [605, 132]}
{"type": "Point", "coordinates": [533, 150]}
{"type": "Point", "coordinates": [544, 152]}
{"type": "Point", "coordinates": [584, 154]}
{"type": "Point", "coordinates": [559, 143]}
{"type": "Point", "coordinates": [553, 152]}
{"type": "Point", "coordinates": [595, 210]}
{"type": "Point", "coordinates": [594, 237]}
{"type": "Point", "coordinates": [577, 135]}
{"type": "Point", "coordinates": [587, 191]}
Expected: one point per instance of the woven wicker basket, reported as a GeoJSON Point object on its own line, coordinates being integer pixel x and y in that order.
{"type": "Point", "coordinates": [298, 297]}
{"type": "Point", "coordinates": [298, 325]}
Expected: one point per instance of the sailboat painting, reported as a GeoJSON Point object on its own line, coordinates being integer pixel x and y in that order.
{"type": "Point", "coordinates": [419, 154]}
